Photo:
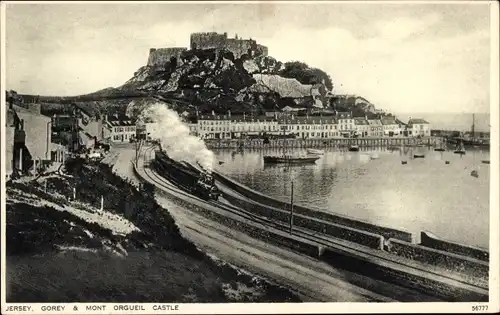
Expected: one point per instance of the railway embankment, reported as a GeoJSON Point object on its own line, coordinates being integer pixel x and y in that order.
{"type": "Point", "coordinates": [395, 270]}
{"type": "Point", "coordinates": [342, 232]}
{"type": "Point", "coordinates": [396, 242]}
{"type": "Point", "coordinates": [431, 241]}
{"type": "Point", "coordinates": [330, 217]}
{"type": "Point", "coordinates": [87, 251]}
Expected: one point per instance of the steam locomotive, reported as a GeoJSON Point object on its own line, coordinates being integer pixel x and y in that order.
{"type": "Point", "coordinates": [187, 177]}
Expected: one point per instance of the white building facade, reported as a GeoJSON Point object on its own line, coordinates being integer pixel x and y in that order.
{"type": "Point", "coordinates": [120, 130]}
{"type": "Point", "coordinates": [419, 127]}
{"type": "Point", "coordinates": [345, 123]}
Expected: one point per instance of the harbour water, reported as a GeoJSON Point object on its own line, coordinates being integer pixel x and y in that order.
{"type": "Point", "coordinates": [373, 185]}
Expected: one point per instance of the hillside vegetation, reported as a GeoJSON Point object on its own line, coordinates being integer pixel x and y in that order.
{"type": "Point", "coordinates": [62, 250]}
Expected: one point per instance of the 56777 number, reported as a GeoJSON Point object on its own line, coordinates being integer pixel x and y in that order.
{"type": "Point", "coordinates": [478, 308]}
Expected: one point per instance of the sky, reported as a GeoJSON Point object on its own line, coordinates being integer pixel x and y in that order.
{"type": "Point", "coordinates": [401, 57]}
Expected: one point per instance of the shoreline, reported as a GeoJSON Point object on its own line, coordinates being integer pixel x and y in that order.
{"type": "Point", "coordinates": [323, 143]}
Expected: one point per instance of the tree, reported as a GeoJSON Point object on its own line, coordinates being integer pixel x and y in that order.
{"type": "Point", "coordinates": [306, 75]}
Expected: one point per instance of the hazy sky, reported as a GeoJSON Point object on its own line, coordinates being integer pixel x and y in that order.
{"type": "Point", "coordinates": [403, 57]}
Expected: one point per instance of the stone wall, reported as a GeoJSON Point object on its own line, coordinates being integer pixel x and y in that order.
{"type": "Point", "coordinates": [341, 232]}
{"type": "Point", "coordinates": [471, 268]}
{"type": "Point", "coordinates": [238, 47]}
{"type": "Point", "coordinates": [447, 291]}
{"type": "Point", "coordinates": [330, 217]}
{"type": "Point", "coordinates": [208, 40]}
{"type": "Point", "coordinates": [430, 241]}
{"type": "Point", "coordinates": [159, 57]}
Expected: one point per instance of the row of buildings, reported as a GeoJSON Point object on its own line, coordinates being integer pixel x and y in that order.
{"type": "Point", "coordinates": [34, 140]}
{"type": "Point", "coordinates": [338, 125]}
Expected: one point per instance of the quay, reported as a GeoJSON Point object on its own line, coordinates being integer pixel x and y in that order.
{"type": "Point", "coordinates": [324, 143]}
{"type": "Point", "coordinates": [343, 249]}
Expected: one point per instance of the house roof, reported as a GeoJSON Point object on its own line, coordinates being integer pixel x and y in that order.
{"type": "Point", "coordinates": [315, 120]}
{"type": "Point", "coordinates": [344, 115]}
{"type": "Point", "coordinates": [23, 112]}
{"type": "Point", "coordinates": [114, 122]}
{"type": "Point", "coordinates": [260, 118]}
{"type": "Point", "coordinates": [417, 121]}
{"type": "Point", "coordinates": [214, 117]}
{"type": "Point", "coordinates": [374, 122]}
{"type": "Point", "coordinates": [400, 122]}
{"type": "Point", "coordinates": [389, 121]}
{"type": "Point", "coordinates": [291, 109]}
{"type": "Point", "coordinates": [360, 121]}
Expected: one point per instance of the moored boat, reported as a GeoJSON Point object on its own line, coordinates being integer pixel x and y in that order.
{"type": "Point", "coordinates": [485, 161]}
{"type": "Point", "coordinates": [460, 149]}
{"type": "Point", "coordinates": [354, 148]}
{"type": "Point", "coordinates": [286, 159]}
{"type": "Point", "coordinates": [315, 151]}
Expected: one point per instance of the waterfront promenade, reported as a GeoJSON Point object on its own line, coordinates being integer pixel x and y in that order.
{"type": "Point", "coordinates": [322, 143]}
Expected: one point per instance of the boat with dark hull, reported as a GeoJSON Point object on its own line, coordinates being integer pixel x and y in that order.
{"type": "Point", "coordinates": [472, 141]}
{"type": "Point", "coordinates": [290, 159]}
{"type": "Point", "coordinates": [354, 148]}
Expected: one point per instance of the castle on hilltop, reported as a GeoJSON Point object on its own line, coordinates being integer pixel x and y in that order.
{"type": "Point", "coordinates": [208, 40]}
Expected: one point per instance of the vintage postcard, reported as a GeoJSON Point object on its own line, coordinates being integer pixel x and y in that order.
{"type": "Point", "coordinates": [249, 157]}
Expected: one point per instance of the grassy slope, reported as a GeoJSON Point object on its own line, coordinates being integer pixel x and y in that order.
{"type": "Point", "coordinates": [54, 255]}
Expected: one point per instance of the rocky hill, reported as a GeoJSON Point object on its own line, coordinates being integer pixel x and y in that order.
{"type": "Point", "coordinates": [213, 79]}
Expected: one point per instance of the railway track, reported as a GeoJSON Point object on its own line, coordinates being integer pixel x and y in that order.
{"type": "Point", "coordinates": [311, 236]}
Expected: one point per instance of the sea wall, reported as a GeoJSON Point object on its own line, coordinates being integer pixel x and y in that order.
{"type": "Point", "coordinates": [448, 292]}
{"type": "Point", "coordinates": [428, 240]}
{"type": "Point", "coordinates": [329, 217]}
{"type": "Point", "coordinates": [472, 268]}
{"type": "Point", "coordinates": [321, 143]}
{"type": "Point", "coordinates": [341, 232]}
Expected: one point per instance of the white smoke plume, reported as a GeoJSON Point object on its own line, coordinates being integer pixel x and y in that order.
{"type": "Point", "coordinates": [173, 134]}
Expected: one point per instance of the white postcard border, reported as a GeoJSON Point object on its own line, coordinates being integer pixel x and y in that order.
{"type": "Point", "coordinates": [295, 308]}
